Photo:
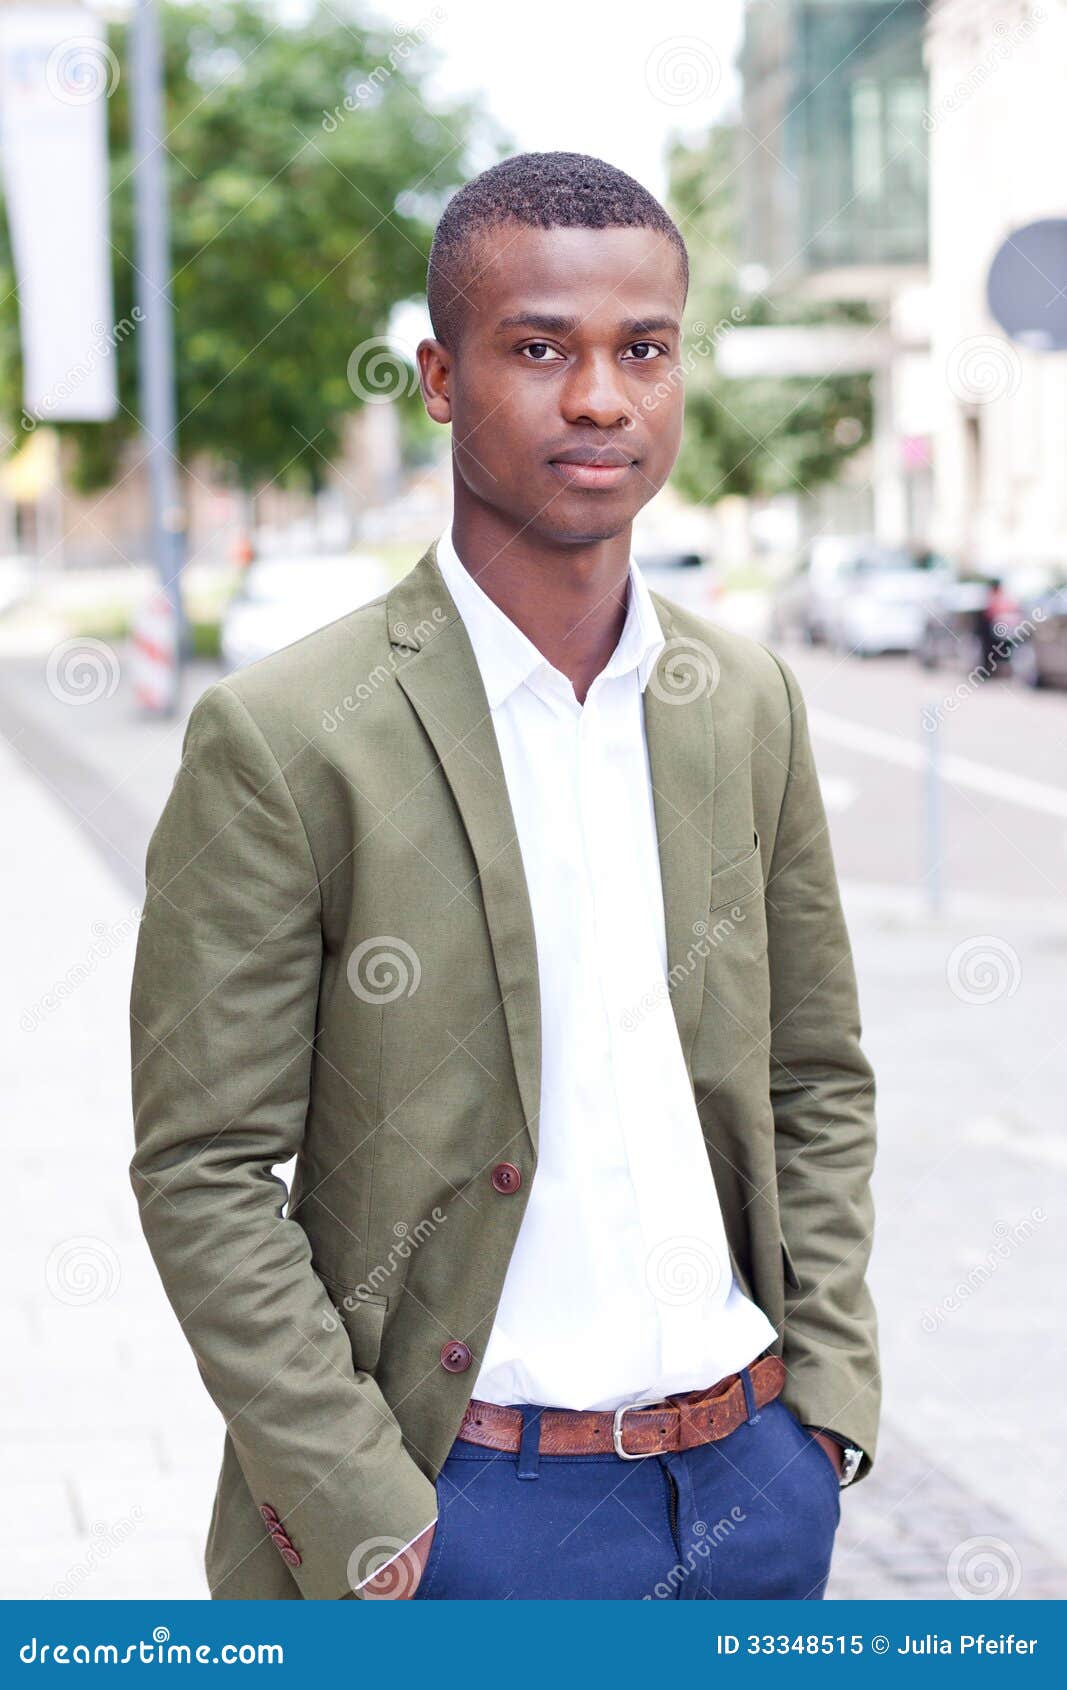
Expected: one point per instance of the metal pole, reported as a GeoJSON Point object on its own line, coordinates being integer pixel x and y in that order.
{"type": "Point", "coordinates": [155, 336]}
{"type": "Point", "coordinates": [932, 809]}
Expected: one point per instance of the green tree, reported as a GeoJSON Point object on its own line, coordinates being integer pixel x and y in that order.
{"type": "Point", "coordinates": [762, 436]}
{"type": "Point", "coordinates": [306, 168]}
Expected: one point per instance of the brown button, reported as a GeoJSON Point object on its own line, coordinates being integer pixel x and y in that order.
{"type": "Point", "coordinates": [269, 1514]}
{"type": "Point", "coordinates": [455, 1356]}
{"type": "Point", "coordinates": [291, 1557]}
{"type": "Point", "coordinates": [280, 1540]}
{"type": "Point", "coordinates": [506, 1177]}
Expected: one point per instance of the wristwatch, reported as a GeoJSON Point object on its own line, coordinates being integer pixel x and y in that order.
{"type": "Point", "coordinates": [852, 1455]}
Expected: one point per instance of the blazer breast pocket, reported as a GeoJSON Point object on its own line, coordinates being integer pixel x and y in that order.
{"type": "Point", "coordinates": [736, 874]}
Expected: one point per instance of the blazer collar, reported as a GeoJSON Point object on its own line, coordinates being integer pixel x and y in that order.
{"type": "Point", "coordinates": [507, 657]}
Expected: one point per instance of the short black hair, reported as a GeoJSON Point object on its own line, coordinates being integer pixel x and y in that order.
{"type": "Point", "coordinates": [538, 191]}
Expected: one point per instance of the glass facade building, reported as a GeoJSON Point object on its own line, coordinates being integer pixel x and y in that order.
{"type": "Point", "coordinates": [834, 101]}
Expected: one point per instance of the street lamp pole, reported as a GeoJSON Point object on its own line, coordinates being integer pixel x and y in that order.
{"type": "Point", "coordinates": [155, 337]}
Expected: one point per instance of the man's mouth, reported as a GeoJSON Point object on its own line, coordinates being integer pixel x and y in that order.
{"type": "Point", "coordinates": [598, 468]}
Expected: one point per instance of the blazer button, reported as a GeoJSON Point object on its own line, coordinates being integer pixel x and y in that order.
{"type": "Point", "coordinates": [506, 1178]}
{"type": "Point", "coordinates": [270, 1515]}
{"type": "Point", "coordinates": [291, 1556]}
{"type": "Point", "coordinates": [455, 1356]}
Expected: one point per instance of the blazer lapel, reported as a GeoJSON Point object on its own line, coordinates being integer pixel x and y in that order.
{"type": "Point", "coordinates": [444, 685]}
{"type": "Point", "coordinates": [680, 727]}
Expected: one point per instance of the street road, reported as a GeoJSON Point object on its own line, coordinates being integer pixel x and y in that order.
{"type": "Point", "coordinates": [963, 1019]}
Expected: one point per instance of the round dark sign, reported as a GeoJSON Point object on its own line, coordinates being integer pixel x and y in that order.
{"type": "Point", "coordinates": [1027, 287]}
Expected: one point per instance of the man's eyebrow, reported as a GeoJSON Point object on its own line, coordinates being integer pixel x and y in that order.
{"type": "Point", "coordinates": [548, 323]}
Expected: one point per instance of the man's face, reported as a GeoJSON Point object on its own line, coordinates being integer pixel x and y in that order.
{"type": "Point", "coordinates": [564, 391]}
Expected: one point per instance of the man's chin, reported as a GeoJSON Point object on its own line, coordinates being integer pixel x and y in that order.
{"type": "Point", "coordinates": [589, 527]}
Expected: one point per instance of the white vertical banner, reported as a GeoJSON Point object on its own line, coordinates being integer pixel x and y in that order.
{"type": "Point", "coordinates": [56, 72]}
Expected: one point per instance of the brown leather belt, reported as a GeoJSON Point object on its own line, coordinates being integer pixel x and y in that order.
{"type": "Point", "coordinates": [681, 1421]}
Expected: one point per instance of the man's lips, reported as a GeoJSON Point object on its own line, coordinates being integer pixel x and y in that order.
{"type": "Point", "coordinates": [598, 468]}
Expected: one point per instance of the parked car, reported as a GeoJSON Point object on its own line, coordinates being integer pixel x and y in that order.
{"type": "Point", "coordinates": [802, 604]}
{"type": "Point", "coordinates": [686, 578]}
{"type": "Point", "coordinates": [975, 620]}
{"type": "Point", "coordinates": [281, 599]}
{"type": "Point", "coordinates": [856, 596]}
{"type": "Point", "coordinates": [1040, 659]}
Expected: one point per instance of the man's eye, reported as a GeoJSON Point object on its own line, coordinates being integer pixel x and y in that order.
{"type": "Point", "coordinates": [540, 352]}
{"type": "Point", "coordinates": [647, 350]}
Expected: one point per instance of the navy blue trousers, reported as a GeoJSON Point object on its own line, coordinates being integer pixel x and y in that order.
{"type": "Point", "coordinates": [752, 1516]}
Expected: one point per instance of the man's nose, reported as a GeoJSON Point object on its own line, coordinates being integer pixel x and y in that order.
{"type": "Point", "coordinates": [594, 392]}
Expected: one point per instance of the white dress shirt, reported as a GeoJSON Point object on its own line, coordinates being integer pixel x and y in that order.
{"type": "Point", "coordinates": [619, 1287]}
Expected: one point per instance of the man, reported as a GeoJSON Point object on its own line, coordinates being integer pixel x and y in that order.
{"type": "Point", "coordinates": [505, 905]}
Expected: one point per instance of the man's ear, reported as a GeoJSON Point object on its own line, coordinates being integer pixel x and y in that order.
{"type": "Point", "coordinates": [435, 371]}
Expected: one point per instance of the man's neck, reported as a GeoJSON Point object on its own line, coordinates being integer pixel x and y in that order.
{"type": "Point", "coordinates": [569, 601]}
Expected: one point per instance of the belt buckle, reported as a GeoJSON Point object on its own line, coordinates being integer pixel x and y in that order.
{"type": "Point", "coordinates": [616, 1433]}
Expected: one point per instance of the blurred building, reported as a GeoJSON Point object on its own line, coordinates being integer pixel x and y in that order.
{"type": "Point", "coordinates": [835, 198]}
{"type": "Point", "coordinates": [997, 121]}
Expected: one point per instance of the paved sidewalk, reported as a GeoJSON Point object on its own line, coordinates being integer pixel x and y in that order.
{"type": "Point", "coordinates": [113, 1445]}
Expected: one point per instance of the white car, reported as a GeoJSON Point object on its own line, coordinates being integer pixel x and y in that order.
{"type": "Point", "coordinates": [881, 601]}
{"type": "Point", "coordinates": [282, 599]}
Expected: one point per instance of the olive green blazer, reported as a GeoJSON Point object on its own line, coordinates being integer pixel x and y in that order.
{"type": "Point", "coordinates": [336, 962]}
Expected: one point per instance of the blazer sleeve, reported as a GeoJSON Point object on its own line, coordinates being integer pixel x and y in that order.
{"type": "Point", "coordinates": [822, 1095]}
{"type": "Point", "coordinates": [223, 1008]}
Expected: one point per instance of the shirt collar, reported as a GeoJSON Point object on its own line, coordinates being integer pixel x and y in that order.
{"type": "Point", "coordinates": [507, 658]}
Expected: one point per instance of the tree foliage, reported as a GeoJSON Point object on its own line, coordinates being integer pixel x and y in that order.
{"type": "Point", "coordinates": [306, 168]}
{"type": "Point", "coordinates": [751, 437]}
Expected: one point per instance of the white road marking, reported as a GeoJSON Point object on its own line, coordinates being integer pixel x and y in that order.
{"type": "Point", "coordinates": [988, 1132]}
{"type": "Point", "coordinates": [961, 771]}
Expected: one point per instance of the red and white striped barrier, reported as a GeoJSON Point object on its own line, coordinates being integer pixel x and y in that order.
{"type": "Point", "coordinates": [154, 665]}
